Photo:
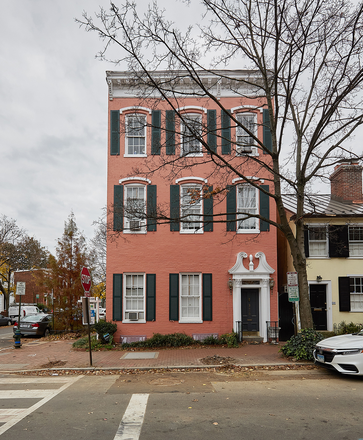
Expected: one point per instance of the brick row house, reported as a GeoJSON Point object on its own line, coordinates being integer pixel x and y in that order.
{"type": "Point", "coordinates": [194, 274]}
{"type": "Point", "coordinates": [333, 243]}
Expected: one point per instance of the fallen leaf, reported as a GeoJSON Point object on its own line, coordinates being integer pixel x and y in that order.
{"type": "Point", "coordinates": [215, 423]}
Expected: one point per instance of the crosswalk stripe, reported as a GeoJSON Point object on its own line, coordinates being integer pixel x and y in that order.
{"type": "Point", "coordinates": [13, 419]}
{"type": "Point", "coordinates": [131, 423]}
{"type": "Point", "coordinates": [25, 394]}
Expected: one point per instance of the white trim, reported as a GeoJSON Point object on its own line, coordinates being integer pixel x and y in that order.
{"type": "Point", "coordinates": [262, 274]}
{"type": "Point", "coordinates": [125, 179]}
{"type": "Point", "coordinates": [136, 108]}
{"type": "Point", "coordinates": [255, 230]}
{"type": "Point", "coordinates": [143, 223]}
{"type": "Point", "coordinates": [127, 321]}
{"type": "Point", "coordinates": [251, 107]}
{"type": "Point", "coordinates": [184, 179]}
{"type": "Point", "coordinates": [238, 179]}
{"type": "Point", "coordinates": [191, 107]}
{"type": "Point", "coordinates": [196, 320]}
{"type": "Point", "coordinates": [200, 230]}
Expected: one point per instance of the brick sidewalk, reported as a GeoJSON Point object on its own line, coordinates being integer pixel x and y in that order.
{"type": "Point", "coordinates": [36, 354]}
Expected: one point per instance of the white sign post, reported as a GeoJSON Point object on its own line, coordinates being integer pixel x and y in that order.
{"type": "Point", "coordinates": [293, 286]}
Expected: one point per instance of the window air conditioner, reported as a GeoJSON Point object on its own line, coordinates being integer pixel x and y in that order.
{"type": "Point", "coordinates": [244, 149]}
{"type": "Point", "coordinates": [133, 316]}
{"type": "Point", "coordinates": [135, 225]}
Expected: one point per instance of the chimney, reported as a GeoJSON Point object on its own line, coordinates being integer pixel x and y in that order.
{"type": "Point", "coordinates": [346, 183]}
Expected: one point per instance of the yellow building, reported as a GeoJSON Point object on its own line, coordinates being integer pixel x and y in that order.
{"type": "Point", "coordinates": [334, 250]}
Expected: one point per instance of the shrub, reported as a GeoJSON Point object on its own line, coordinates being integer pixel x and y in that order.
{"type": "Point", "coordinates": [96, 344]}
{"type": "Point", "coordinates": [105, 331]}
{"type": "Point", "coordinates": [211, 340]}
{"type": "Point", "coordinates": [231, 339]}
{"type": "Point", "coordinates": [343, 328]}
{"type": "Point", "coordinates": [302, 345]}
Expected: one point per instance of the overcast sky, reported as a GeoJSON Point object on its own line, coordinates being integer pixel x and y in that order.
{"type": "Point", "coordinates": [53, 116]}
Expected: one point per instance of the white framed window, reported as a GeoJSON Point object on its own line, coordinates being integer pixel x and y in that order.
{"type": "Point", "coordinates": [191, 130]}
{"type": "Point", "coordinates": [318, 241]}
{"type": "Point", "coordinates": [247, 203]}
{"type": "Point", "coordinates": [135, 135]}
{"type": "Point", "coordinates": [134, 297]}
{"type": "Point", "coordinates": [355, 241]}
{"type": "Point", "coordinates": [246, 144]}
{"type": "Point", "coordinates": [135, 209]}
{"type": "Point", "coordinates": [190, 297]}
{"type": "Point", "coordinates": [191, 209]}
{"type": "Point", "coordinates": [356, 294]}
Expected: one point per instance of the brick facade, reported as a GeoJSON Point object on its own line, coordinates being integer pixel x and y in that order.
{"type": "Point", "coordinates": [346, 183]}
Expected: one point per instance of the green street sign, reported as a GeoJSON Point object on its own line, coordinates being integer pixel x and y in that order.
{"type": "Point", "coordinates": [293, 292]}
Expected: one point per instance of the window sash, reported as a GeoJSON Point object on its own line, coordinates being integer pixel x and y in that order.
{"type": "Point", "coordinates": [318, 241]}
{"type": "Point", "coordinates": [136, 134]}
{"type": "Point", "coordinates": [355, 241]}
{"type": "Point", "coordinates": [189, 131]}
{"type": "Point", "coordinates": [249, 121]}
{"type": "Point", "coordinates": [356, 294]}
{"type": "Point", "coordinates": [190, 296]}
{"type": "Point", "coordinates": [134, 293]}
{"type": "Point", "coordinates": [247, 203]}
{"type": "Point", "coordinates": [191, 207]}
{"type": "Point", "coordinates": [135, 207]}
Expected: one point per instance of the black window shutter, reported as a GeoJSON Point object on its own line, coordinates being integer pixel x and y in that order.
{"type": "Point", "coordinates": [151, 208]}
{"type": "Point", "coordinates": [344, 294]}
{"type": "Point", "coordinates": [306, 241]}
{"type": "Point", "coordinates": [155, 131]}
{"type": "Point", "coordinates": [231, 208]}
{"type": "Point", "coordinates": [267, 138]}
{"type": "Point", "coordinates": [264, 208]}
{"type": "Point", "coordinates": [115, 132]}
{"type": "Point", "coordinates": [150, 297]}
{"type": "Point", "coordinates": [338, 241]}
{"type": "Point", "coordinates": [226, 131]}
{"type": "Point", "coordinates": [174, 297]}
{"type": "Point", "coordinates": [208, 212]}
{"type": "Point", "coordinates": [118, 207]}
{"type": "Point", "coordinates": [174, 207]}
{"type": "Point", "coordinates": [207, 297]}
{"type": "Point", "coordinates": [117, 297]}
{"type": "Point", "coordinates": [170, 131]}
{"type": "Point", "coordinates": [212, 126]}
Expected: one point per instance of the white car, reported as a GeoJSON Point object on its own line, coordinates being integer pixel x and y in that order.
{"type": "Point", "coordinates": [342, 353]}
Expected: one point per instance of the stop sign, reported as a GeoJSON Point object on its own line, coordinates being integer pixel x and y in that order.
{"type": "Point", "coordinates": [86, 280]}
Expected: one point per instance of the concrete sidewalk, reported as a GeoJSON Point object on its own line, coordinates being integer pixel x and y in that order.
{"type": "Point", "coordinates": [44, 354]}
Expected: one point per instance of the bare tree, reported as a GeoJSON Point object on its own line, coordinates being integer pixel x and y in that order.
{"type": "Point", "coordinates": [98, 256]}
{"type": "Point", "coordinates": [302, 59]}
{"type": "Point", "coordinates": [18, 251]}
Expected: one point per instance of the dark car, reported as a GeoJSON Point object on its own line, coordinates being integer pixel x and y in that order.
{"type": "Point", "coordinates": [4, 320]}
{"type": "Point", "coordinates": [36, 325]}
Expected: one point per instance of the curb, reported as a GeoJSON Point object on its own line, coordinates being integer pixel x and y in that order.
{"type": "Point", "coordinates": [185, 367]}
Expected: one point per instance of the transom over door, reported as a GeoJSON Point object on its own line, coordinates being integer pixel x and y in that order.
{"type": "Point", "coordinates": [318, 305]}
{"type": "Point", "coordinates": [250, 310]}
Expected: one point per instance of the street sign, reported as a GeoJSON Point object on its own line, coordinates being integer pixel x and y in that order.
{"type": "Point", "coordinates": [293, 286]}
{"type": "Point", "coordinates": [20, 288]}
{"type": "Point", "coordinates": [86, 281]}
{"type": "Point", "coordinates": [293, 292]}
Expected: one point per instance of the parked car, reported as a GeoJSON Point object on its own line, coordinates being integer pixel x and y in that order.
{"type": "Point", "coordinates": [35, 325]}
{"type": "Point", "coordinates": [25, 310]}
{"type": "Point", "coordinates": [342, 353]}
{"type": "Point", "coordinates": [4, 320]}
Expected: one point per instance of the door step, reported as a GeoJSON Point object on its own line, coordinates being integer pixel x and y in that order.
{"type": "Point", "coordinates": [252, 337]}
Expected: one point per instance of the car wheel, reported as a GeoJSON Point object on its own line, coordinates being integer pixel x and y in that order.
{"type": "Point", "coordinates": [46, 332]}
{"type": "Point", "coordinates": [9, 322]}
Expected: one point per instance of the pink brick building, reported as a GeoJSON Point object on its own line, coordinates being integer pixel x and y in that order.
{"type": "Point", "coordinates": [198, 273]}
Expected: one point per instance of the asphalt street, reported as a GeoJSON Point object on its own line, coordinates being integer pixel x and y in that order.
{"type": "Point", "coordinates": [279, 405]}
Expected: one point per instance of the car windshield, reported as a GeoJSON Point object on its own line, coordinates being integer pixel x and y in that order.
{"type": "Point", "coordinates": [360, 333]}
{"type": "Point", "coordinates": [32, 318]}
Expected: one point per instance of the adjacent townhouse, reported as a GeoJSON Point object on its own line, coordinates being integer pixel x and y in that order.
{"type": "Point", "coordinates": [334, 250]}
{"type": "Point", "coordinates": [194, 272]}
